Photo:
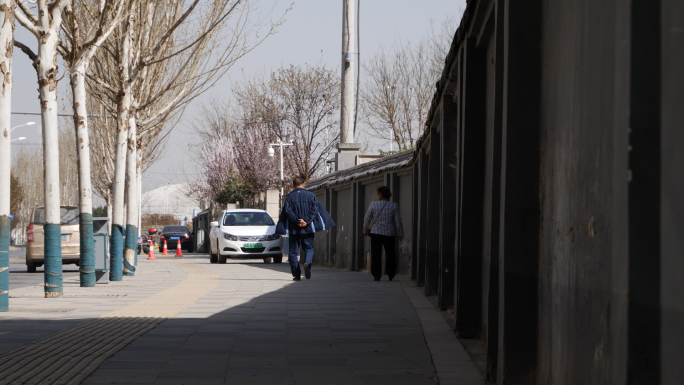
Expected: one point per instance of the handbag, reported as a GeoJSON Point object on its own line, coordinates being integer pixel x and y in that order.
{"type": "Point", "coordinates": [367, 233]}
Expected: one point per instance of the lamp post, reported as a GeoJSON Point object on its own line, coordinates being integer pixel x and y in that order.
{"type": "Point", "coordinates": [21, 125]}
{"type": "Point", "coordinates": [271, 153]}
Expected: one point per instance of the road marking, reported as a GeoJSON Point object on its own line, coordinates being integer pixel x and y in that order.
{"type": "Point", "coordinates": [69, 356]}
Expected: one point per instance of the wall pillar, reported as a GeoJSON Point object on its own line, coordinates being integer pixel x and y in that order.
{"type": "Point", "coordinates": [449, 196]}
{"type": "Point", "coordinates": [434, 182]}
{"type": "Point", "coordinates": [358, 258]}
{"type": "Point", "coordinates": [520, 211]}
{"type": "Point", "coordinates": [415, 218]}
{"type": "Point", "coordinates": [422, 216]}
{"type": "Point", "coordinates": [474, 101]}
{"type": "Point", "coordinates": [672, 206]}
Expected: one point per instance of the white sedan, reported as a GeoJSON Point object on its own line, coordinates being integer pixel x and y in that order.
{"type": "Point", "coordinates": [244, 233]}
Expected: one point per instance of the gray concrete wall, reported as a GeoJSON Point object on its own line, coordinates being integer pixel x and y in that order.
{"type": "Point", "coordinates": [577, 116]}
{"type": "Point", "coordinates": [343, 231]}
{"type": "Point", "coordinates": [346, 247]}
{"type": "Point", "coordinates": [405, 201]}
{"type": "Point", "coordinates": [562, 123]}
{"type": "Point", "coordinates": [370, 195]}
{"type": "Point", "coordinates": [672, 221]}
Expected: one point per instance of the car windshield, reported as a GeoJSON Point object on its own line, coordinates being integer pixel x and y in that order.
{"type": "Point", "coordinates": [248, 218]}
{"type": "Point", "coordinates": [68, 216]}
{"type": "Point", "coordinates": [175, 229]}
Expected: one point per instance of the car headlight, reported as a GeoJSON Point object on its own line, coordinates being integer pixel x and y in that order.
{"type": "Point", "coordinates": [273, 237]}
{"type": "Point", "coordinates": [230, 237]}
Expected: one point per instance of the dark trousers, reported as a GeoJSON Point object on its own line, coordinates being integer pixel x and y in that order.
{"type": "Point", "coordinates": [377, 243]}
{"type": "Point", "coordinates": [307, 243]}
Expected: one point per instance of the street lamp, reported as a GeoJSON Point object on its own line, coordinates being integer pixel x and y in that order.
{"type": "Point", "coordinates": [25, 124]}
{"type": "Point", "coordinates": [21, 138]}
{"type": "Point", "coordinates": [271, 153]}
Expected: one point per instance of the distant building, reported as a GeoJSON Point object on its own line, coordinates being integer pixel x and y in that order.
{"type": "Point", "coordinates": [170, 199]}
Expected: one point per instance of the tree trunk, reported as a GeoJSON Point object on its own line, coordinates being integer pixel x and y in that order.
{"type": "Point", "coordinates": [47, 86]}
{"type": "Point", "coordinates": [108, 202]}
{"type": "Point", "coordinates": [123, 106]}
{"type": "Point", "coordinates": [6, 45]}
{"type": "Point", "coordinates": [130, 253]}
{"type": "Point", "coordinates": [87, 252]}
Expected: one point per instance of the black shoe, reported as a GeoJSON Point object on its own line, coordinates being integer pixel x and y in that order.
{"type": "Point", "coordinates": [377, 279]}
{"type": "Point", "coordinates": [307, 271]}
{"type": "Point", "coordinates": [297, 278]}
{"type": "Point", "coordinates": [391, 278]}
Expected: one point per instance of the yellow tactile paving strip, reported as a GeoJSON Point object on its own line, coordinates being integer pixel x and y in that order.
{"type": "Point", "coordinates": [71, 355]}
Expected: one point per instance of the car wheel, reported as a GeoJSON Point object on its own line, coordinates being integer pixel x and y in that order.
{"type": "Point", "coordinates": [268, 260]}
{"type": "Point", "coordinates": [146, 249]}
{"type": "Point", "coordinates": [278, 259]}
{"type": "Point", "coordinates": [222, 258]}
{"type": "Point", "coordinates": [30, 267]}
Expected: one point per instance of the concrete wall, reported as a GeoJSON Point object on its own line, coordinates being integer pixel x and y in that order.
{"type": "Point", "coordinates": [343, 232]}
{"type": "Point", "coordinates": [370, 195]}
{"type": "Point", "coordinates": [403, 195]}
{"type": "Point", "coordinates": [348, 201]}
{"type": "Point", "coordinates": [582, 314]}
{"type": "Point", "coordinates": [544, 202]}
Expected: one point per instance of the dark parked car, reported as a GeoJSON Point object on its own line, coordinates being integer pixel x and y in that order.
{"type": "Point", "coordinates": [172, 234]}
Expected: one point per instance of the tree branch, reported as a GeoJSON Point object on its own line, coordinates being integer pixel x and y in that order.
{"type": "Point", "coordinates": [27, 22]}
{"type": "Point", "coordinates": [26, 50]}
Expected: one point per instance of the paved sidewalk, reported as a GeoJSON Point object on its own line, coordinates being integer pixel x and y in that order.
{"type": "Point", "coordinates": [256, 326]}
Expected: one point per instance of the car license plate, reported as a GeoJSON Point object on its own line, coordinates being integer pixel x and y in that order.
{"type": "Point", "coordinates": [64, 237]}
{"type": "Point", "coordinates": [175, 238]}
{"type": "Point", "coordinates": [253, 245]}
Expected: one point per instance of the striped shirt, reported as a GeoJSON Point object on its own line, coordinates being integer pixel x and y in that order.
{"type": "Point", "coordinates": [385, 218]}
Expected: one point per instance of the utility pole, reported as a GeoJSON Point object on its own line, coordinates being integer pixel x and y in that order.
{"type": "Point", "coordinates": [347, 149]}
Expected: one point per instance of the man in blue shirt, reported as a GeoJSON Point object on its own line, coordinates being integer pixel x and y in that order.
{"type": "Point", "coordinates": [301, 217]}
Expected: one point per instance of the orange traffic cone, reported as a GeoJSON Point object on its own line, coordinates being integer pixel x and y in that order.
{"type": "Point", "coordinates": [179, 252]}
{"type": "Point", "coordinates": [165, 251]}
{"type": "Point", "coordinates": [150, 257]}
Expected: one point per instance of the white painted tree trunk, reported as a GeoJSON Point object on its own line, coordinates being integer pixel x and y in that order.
{"type": "Point", "coordinates": [118, 210]}
{"type": "Point", "coordinates": [47, 87]}
{"type": "Point", "coordinates": [6, 46]}
{"type": "Point", "coordinates": [85, 196]}
{"type": "Point", "coordinates": [85, 193]}
{"type": "Point", "coordinates": [138, 179]}
{"type": "Point", "coordinates": [120, 168]}
{"type": "Point", "coordinates": [132, 204]}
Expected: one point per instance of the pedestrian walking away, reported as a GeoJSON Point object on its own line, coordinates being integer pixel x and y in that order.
{"type": "Point", "coordinates": [383, 224]}
{"type": "Point", "coordinates": [301, 217]}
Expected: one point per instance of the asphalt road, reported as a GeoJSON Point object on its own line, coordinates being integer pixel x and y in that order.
{"type": "Point", "coordinates": [20, 278]}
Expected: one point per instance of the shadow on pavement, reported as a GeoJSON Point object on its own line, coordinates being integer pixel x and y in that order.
{"type": "Point", "coordinates": [340, 327]}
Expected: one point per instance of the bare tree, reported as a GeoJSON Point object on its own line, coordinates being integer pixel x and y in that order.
{"type": "Point", "coordinates": [68, 167]}
{"type": "Point", "coordinates": [86, 26]}
{"type": "Point", "coordinates": [166, 55]}
{"type": "Point", "coordinates": [27, 165]}
{"type": "Point", "coordinates": [399, 84]}
{"type": "Point", "coordinates": [439, 40]}
{"type": "Point", "coordinates": [7, 7]}
{"type": "Point", "coordinates": [299, 104]}
{"type": "Point", "coordinates": [45, 25]}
